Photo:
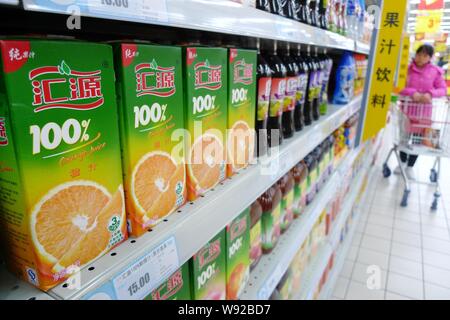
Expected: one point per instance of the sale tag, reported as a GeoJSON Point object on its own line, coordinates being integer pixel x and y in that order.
{"type": "Point", "coordinates": [141, 9]}
{"type": "Point", "coordinates": [138, 280]}
{"type": "Point", "coordinates": [429, 21]}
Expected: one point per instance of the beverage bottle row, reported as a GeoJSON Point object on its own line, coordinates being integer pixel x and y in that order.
{"type": "Point", "coordinates": [292, 92]}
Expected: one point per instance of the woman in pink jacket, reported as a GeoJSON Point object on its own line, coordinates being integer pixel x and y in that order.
{"type": "Point", "coordinates": [425, 81]}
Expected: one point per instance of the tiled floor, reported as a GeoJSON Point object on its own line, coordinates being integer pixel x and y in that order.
{"type": "Point", "coordinates": [400, 253]}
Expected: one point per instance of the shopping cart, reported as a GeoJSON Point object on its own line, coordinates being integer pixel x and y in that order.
{"type": "Point", "coordinates": [420, 129]}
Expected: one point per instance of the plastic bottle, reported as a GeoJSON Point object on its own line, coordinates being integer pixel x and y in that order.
{"type": "Point", "coordinates": [318, 153]}
{"type": "Point", "coordinates": [255, 234]}
{"type": "Point", "coordinates": [343, 13]}
{"type": "Point", "coordinates": [271, 205]}
{"type": "Point", "coordinates": [303, 11]}
{"type": "Point", "coordinates": [291, 90]}
{"type": "Point", "coordinates": [300, 173]}
{"type": "Point", "coordinates": [323, 14]}
{"type": "Point", "coordinates": [289, 9]}
{"type": "Point", "coordinates": [311, 162]}
{"type": "Point", "coordinates": [331, 141]}
{"type": "Point", "coordinates": [313, 13]}
{"type": "Point", "coordinates": [312, 68]}
{"type": "Point", "coordinates": [277, 92]}
{"type": "Point", "coordinates": [327, 66]}
{"type": "Point", "coordinates": [286, 184]}
{"type": "Point", "coordinates": [351, 18]}
{"type": "Point", "coordinates": [317, 85]}
{"type": "Point", "coordinates": [303, 72]}
{"type": "Point", "coordinates": [263, 5]}
{"type": "Point", "coordinates": [263, 98]}
{"type": "Point", "coordinates": [332, 17]}
{"type": "Point", "coordinates": [276, 7]}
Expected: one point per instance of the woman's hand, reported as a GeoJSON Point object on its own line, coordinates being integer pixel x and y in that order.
{"type": "Point", "coordinates": [426, 98]}
{"type": "Point", "coordinates": [417, 97]}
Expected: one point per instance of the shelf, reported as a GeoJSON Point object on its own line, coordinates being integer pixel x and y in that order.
{"type": "Point", "coordinates": [314, 271]}
{"type": "Point", "coordinates": [215, 16]}
{"type": "Point", "coordinates": [362, 47]}
{"type": "Point", "coordinates": [265, 277]}
{"type": "Point", "coordinates": [341, 255]}
{"type": "Point", "coordinates": [10, 2]}
{"type": "Point", "coordinates": [11, 288]}
{"type": "Point", "coordinates": [197, 222]}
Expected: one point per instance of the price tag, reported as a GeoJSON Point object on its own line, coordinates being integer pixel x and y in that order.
{"type": "Point", "coordinates": [137, 281]}
{"type": "Point", "coordinates": [271, 282]}
{"type": "Point", "coordinates": [140, 9]}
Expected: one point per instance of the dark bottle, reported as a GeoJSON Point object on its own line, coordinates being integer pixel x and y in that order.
{"type": "Point", "coordinates": [263, 5]}
{"type": "Point", "coordinates": [302, 83]}
{"type": "Point", "coordinates": [277, 7]}
{"type": "Point", "coordinates": [271, 206]}
{"type": "Point", "coordinates": [313, 13]}
{"type": "Point", "coordinates": [311, 163]}
{"type": "Point", "coordinates": [317, 86]}
{"type": "Point", "coordinates": [323, 14]}
{"type": "Point", "coordinates": [255, 234]}
{"type": "Point", "coordinates": [277, 92]}
{"type": "Point", "coordinates": [328, 65]}
{"type": "Point", "coordinates": [291, 90]}
{"type": "Point", "coordinates": [286, 184]}
{"type": "Point", "coordinates": [312, 68]}
{"type": "Point", "coordinates": [300, 172]}
{"type": "Point", "coordinates": [264, 81]}
{"type": "Point", "coordinates": [289, 8]}
{"type": "Point", "coordinates": [303, 11]}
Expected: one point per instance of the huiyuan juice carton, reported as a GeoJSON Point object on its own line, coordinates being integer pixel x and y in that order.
{"type": "Point", "coordinates": [208, 270]}
{"type": "Point", "coordinates": [205, 117]}
{"type": "Point", "coordinates": [150, 87]}
{"type": "Point", "coordinates": [238, 255]}
{"type": "Point", "coordinates": [62, 200]}
{"type": "Point", "coordinates": [241, 108]}
{"type": "Point", "coordinates": [176, 287]}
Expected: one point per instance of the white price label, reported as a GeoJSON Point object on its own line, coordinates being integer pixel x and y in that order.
{"type": "Point", "coordinates": [266, 291]}
{"type": "Point", "coordinates": [137, 281]}
{"type": "Point", "coordinates": [141, 9]}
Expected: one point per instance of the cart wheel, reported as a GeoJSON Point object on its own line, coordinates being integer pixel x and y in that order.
{"type": "Point", "coordinates": [404, 202]}
{"type": "Point", "coordinates": [434, 204]}
{"type": "Point", "coordinates": [433, 175]}
{"type": "Point", "coordinates": [386, 171]}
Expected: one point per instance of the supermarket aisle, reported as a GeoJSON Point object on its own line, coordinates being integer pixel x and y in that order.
{"type": "Point", "coordinates": [410, 247]}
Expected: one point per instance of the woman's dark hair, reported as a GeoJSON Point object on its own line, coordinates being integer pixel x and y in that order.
{"type": "Point", "coordinates": [427, 49]}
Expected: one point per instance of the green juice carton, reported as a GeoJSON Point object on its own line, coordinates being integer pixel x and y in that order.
{"type": "Point", "coordinates": [238, 255]}
{"type": "Point", "coordinates": [176, 287]}
{"type": "Point", "coordinates": [208, 270]}
{"type": "Point", "coordinates": [205, 117]}
{"type": "Point", "coordinates": [241, 108]}
{"type": "Point", "coordinates": [61, 193]}
{"type": "Point", "coordinates": [150, 89]}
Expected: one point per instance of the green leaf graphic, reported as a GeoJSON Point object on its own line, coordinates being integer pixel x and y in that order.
{"type": "Point", "coordinates": [207, 63]}
{"type": "Point", "coordinates": [65, 68]}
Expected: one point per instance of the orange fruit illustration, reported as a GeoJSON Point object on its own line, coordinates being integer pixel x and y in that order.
{"type": "Point", "coordinates": [237, 281]}
{"type": "Point", "coordinates": [73, 224]}
{"type": "Point", "coordinates": [206, 161]}
{"type": "Point", "coordinates": [241, 145]}
{"type": "Point", "coordinates": [157, 182]}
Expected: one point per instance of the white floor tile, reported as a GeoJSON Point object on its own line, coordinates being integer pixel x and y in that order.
{"type": "Point", "coordinates": [407, 226]}
{"type": "Point", "coordinates": [347, 269]}
{"type": "Point", "coordinates": [433, 292]}
{"type": "Point", "coordinates": [407, 238]}
{"type": "Point", "coordinates": [434, 221]}
{"type": "Point", "coordinates": [385, 211]}
{"type": "Point", "coordinates": [406, 252]}
{"type": "Point", "coordinates": [408, 216]}
{"type": "Point", "coordinates": [437, 276]}
{"type": "Point", "coordinates": [384, 221]}
{"type": "Point", "coordinates": [379, 231]}
{"type": "Point", "coordinates": [437, 245]}
{"type": "Point", "coordinates": [358, 291]}
{"type": "Point", "coordinates": [341, 287]}
{"type": "Point", "coordinates": [436, 259]}
{"type": "Point", "coordinates": [352, 253]}
{"type": "Point", "coordinates": [371, 257]}
{"type": "Point", "coordinates": [405, 267]}
{"type": "Point", "coordinates": [435, 232]}
{"type": "Point", "coordinates": [357, 237]}
{"type": "Point", "coordinates": [394, 296]}
{"type": "Point", "coordinates": [405, 286]}
{"type": "Point", "coordinates": [375, 243]}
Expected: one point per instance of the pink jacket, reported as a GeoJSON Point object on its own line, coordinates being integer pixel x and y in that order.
{"type": "Point", "coordinates": [428, 79]}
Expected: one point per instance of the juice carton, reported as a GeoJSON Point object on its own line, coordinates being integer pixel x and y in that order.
{"type": "Point", "coordinates": [238, 255]}
{"type": "Point", "coordinates": [208, 273]}
{"type": "Point", "coordinates": [241, 109]}
{"type": "Point", "coordinates": [205, 117]}
{"type": "Point", "coordinates": [176, 287]}
{"type": "Point", "coordinates": [60, 178]}
{"type": "Point", "coordinates": [150, 88]}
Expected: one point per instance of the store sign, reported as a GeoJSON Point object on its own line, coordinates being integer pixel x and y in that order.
{"type": "Point", "coordinates": [431, 4]}
{"type": "Point", "coordinates": [385, 59]}
{"type": "Point", "coordinates": [440, 46]}
{"type": "Point", "coordinates": [429, 21]}
{"type": "Point", "coordinates": [404, 61]}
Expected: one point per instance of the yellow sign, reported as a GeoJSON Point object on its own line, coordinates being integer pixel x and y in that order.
{"type": "Point", "coordinates": [384, 65]}
{"type": "Point", "coordinates": [429, 21]}
{"type": "Point", "coordinates": [404, 61]}
{"type": "Point", "coordinates": [440, 46]}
